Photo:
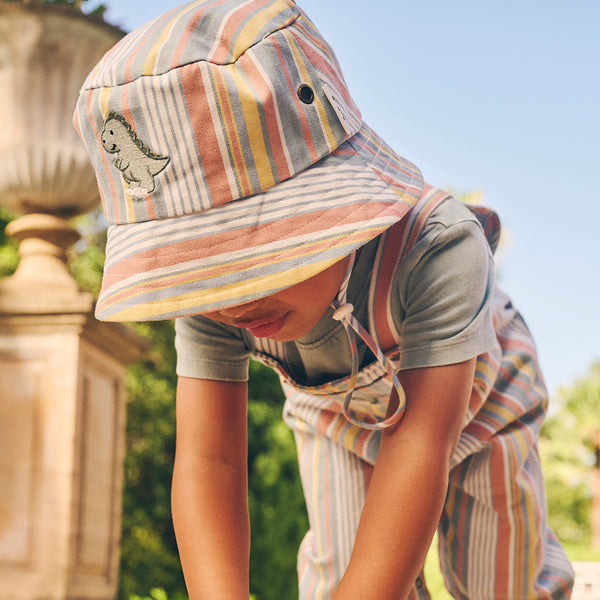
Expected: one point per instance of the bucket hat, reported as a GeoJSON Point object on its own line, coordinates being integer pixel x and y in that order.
{"type": "Point", "coordinates": [231, 160]}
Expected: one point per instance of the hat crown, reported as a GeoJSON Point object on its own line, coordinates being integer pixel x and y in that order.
{"type": "Point", "coordinates": [209, 30]}
{"type": "Point", "coordinates": [212, 102]}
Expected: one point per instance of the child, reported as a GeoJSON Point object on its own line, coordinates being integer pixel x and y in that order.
{"type": "Point", "coordinates": [246, 197]}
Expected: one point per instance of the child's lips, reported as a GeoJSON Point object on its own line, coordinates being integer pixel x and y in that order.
{"type": "Point", "coordinates": [263, 327]}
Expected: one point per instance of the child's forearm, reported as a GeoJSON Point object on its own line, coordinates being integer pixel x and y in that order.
{"type": "Point", "coordinates": [211, 523]}
{"type": "Point", "coordinates": [399, 519]}
{"type": "Point", "coordinates": [210, 489]}
{"type": "Point", "coordinates": [408, 487]}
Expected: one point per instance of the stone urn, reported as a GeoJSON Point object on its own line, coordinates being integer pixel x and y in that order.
{"type": "Point", "coordinates": [46, 52]}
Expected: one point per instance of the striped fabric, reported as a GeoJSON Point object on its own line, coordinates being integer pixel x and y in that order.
{"type": "Point", "coordinates": [494, 541]}
{"type": "Point", "coordinates": [395, 241]}
{"type": "Point", "coordinates": [231, 159]}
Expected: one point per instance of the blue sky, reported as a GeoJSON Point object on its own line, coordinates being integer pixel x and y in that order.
{"type": "Point", "coordinates": [499, 97]}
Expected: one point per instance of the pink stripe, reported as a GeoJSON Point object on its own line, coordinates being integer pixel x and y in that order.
{"type": "Point", "coordinates": [221, 53]}
{"type": "Point", "coordinates": [273, 131]}
{"type": "Point", "coordinates": [189, 31]}
{"type": "Point", "coordinates": [323, 64]}
{"type": "Point", "coordinates": [207, 143]}
{"type": "Point", "coordinates": [383, 329]}
{"type": "Point", "coordinates": [104, 158]}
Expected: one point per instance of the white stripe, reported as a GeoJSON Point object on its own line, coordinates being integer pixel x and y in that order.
{"type": "Point", "coordinates": [156, 116]}
{"type": "Point", "coordinates": [348, 186]}
{"type": "Point", "coordinates": [180, 198]}
{"type": "Point", "coordinates": [166, 133]}
{"type": "Point", "coordinates": [237, 215]}
{"type": "Point", "coordinates": [217, 125]}
{"type": "Point", "coordinates": [232, 218]}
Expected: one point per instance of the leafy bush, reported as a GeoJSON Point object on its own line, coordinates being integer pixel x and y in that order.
{"type": "Point", "coordinates": [567, 450]}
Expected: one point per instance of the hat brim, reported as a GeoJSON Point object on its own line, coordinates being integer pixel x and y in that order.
{"type": "Point", "coordinates": [261, 244]}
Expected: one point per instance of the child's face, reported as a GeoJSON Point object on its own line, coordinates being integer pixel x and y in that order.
{"type": "Point", "coordinates": [291, 313]}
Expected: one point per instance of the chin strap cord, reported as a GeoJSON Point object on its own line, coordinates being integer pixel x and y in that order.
{"type": "Point", "coordinates": [342, 311]}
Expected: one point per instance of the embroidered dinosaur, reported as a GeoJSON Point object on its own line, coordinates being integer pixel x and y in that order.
{"type": "Point", "coordinates": [137, 163]}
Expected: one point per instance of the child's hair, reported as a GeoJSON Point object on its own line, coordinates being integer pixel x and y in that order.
{"type": "Point", "coordinates": [231, 160]}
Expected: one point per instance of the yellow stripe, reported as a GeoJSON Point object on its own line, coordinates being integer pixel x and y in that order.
{"type": "Point", "coordinates": [103, 99]}
{"type": "Point", "coordinates": [233, 137]}
{"type": "Point", "coordinates": [299, 56]}
{"type": "Point", "coordinates": [485, 369]}
{"type": "Point", "coordinates": [500, 412]}
{"type": "Point", "coordinates": [532, 373]}
{"type": "Point", "coordinates": [350, 436]}
{"type": "Point", "coordinates": [254, 26]}
{"type": "Point", "coordinates": [230, 292]}
{"type": "Point", "coordinates": [150, 61]}
{"type": "Point", "coordinates": [252, 121]}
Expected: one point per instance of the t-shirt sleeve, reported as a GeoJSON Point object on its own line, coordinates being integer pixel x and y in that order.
{"type": "Point", "coordinates": [207, 349]}
{"type": "Point", "coordinates": [444, 294]}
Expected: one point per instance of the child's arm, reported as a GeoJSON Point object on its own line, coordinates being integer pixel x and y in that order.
{"type": "Point", "coordinates": [209, 494]}
{"type": "Point", "coordinates": [408, 486]}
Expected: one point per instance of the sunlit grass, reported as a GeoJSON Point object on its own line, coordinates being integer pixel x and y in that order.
{"type": "Point", "coordinates": [433, 575]}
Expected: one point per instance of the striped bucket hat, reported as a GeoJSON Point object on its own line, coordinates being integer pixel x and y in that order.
{"type": "Point", "coordinates": [231, 160]}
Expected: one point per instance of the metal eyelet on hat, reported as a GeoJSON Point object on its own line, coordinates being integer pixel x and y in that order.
{"type": "Point", "coordinates": [305, 93]}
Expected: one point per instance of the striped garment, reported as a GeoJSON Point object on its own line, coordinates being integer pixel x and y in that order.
{"type": "Point", "coordinates": [231, 159]}
{"type": "Point", "coordinates": [494, 542]}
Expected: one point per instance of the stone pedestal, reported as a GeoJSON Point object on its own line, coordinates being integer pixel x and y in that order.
{"type": "Point", "coordinates": [62, 427]}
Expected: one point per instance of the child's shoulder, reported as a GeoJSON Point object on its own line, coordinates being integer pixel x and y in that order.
{"type": "Point", "coordinates": [451, 224]}
{"type": "Point", "coordinates": [451, 212]}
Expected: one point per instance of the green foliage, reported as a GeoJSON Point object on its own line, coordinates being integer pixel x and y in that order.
{"type": "Point", "coordinates": [159, 594]}
{"type": "Point", "coordinates": [148, 547]}
{"type": "Point", "coordinates": [86, 259]}
{"type": "Point", "coordinates": [9, 257]}
{"type": "Point", "coordinates": [566, 447]}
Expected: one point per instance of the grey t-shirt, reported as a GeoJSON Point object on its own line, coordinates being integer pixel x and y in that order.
{"type": "Point", "coordinates": [441, 305]}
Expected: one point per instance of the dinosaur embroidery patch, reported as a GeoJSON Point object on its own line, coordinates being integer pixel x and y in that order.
{"type": "Point", "coordinates": [137, 163]}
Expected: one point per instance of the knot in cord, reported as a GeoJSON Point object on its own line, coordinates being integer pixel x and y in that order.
{"type": "Point", "coordinates": [342, 311]}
